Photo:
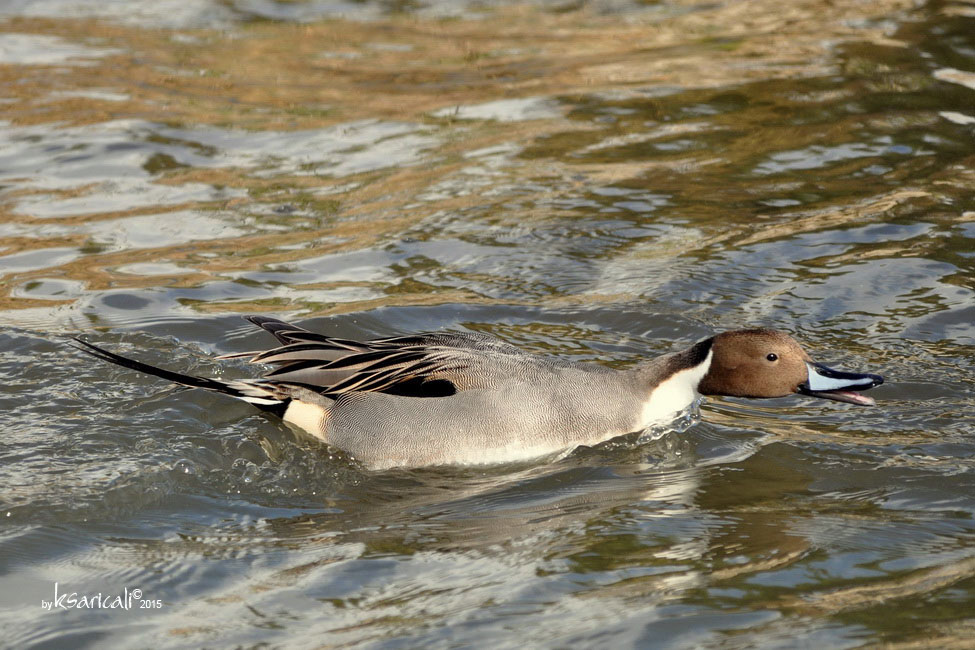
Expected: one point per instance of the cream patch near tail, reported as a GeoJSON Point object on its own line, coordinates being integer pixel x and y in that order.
{"type": "Point", "coordinates": [307, 416]}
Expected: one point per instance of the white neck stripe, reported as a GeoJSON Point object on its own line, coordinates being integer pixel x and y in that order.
{"type": "Point", "coordinates": [674, 394]}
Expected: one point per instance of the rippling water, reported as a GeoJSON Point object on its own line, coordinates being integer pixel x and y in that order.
{"type": "Point", "coordinates": [600, 180]}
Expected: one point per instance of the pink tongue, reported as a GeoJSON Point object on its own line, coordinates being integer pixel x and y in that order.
{"type": "Point", "coordinates": [854, 396]}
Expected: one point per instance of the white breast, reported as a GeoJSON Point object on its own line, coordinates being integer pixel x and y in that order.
{"type": "Point", "coordinates": [674, 394]}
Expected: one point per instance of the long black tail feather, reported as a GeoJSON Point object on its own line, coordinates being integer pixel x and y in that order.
{"type": "Point", "coordinates": [251, 393]}
{"type": "Point", "coordinates": [132, 364]}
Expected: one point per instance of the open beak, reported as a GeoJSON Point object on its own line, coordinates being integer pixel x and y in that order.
{"type": "Point", "coordinates": [837, 385]}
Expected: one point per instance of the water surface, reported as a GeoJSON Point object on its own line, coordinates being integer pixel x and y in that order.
{"type": "Point", "coordinates": [601, 181]}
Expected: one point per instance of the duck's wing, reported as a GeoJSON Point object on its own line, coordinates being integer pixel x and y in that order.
{"type": "Point", "coordinates": [421, 365]}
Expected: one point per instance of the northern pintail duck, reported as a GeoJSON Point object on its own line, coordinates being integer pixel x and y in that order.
{"type": "Point", "coordinates": [465, 398]}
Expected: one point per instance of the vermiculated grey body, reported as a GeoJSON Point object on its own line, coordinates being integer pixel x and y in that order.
{"type": "Point", "coordinates": [555, 409]}
{"type": "Point", "coordinates": [524, 405]}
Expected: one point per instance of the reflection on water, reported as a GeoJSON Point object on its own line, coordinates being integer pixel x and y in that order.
{"type": "Point", "coordinates": [41, 49]}
{"type": "Point", "coordinates": [601, 181]}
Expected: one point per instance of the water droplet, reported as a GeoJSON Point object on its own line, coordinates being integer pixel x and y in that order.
{"type": "Point", "coordinates": [185, 466]}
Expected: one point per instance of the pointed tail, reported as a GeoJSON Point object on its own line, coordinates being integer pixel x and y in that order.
{"type": "Point", "coordinates": [263, 397]}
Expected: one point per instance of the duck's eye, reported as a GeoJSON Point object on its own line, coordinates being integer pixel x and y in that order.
{"type": "Point", "coordinates": [772, 356]}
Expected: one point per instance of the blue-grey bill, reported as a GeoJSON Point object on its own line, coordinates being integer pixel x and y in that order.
{"type": "Point", "coordinates": [838, 385]}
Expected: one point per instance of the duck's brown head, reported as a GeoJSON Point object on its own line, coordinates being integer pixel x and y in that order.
{"type": "Point", "coordinates": [769, 363]}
